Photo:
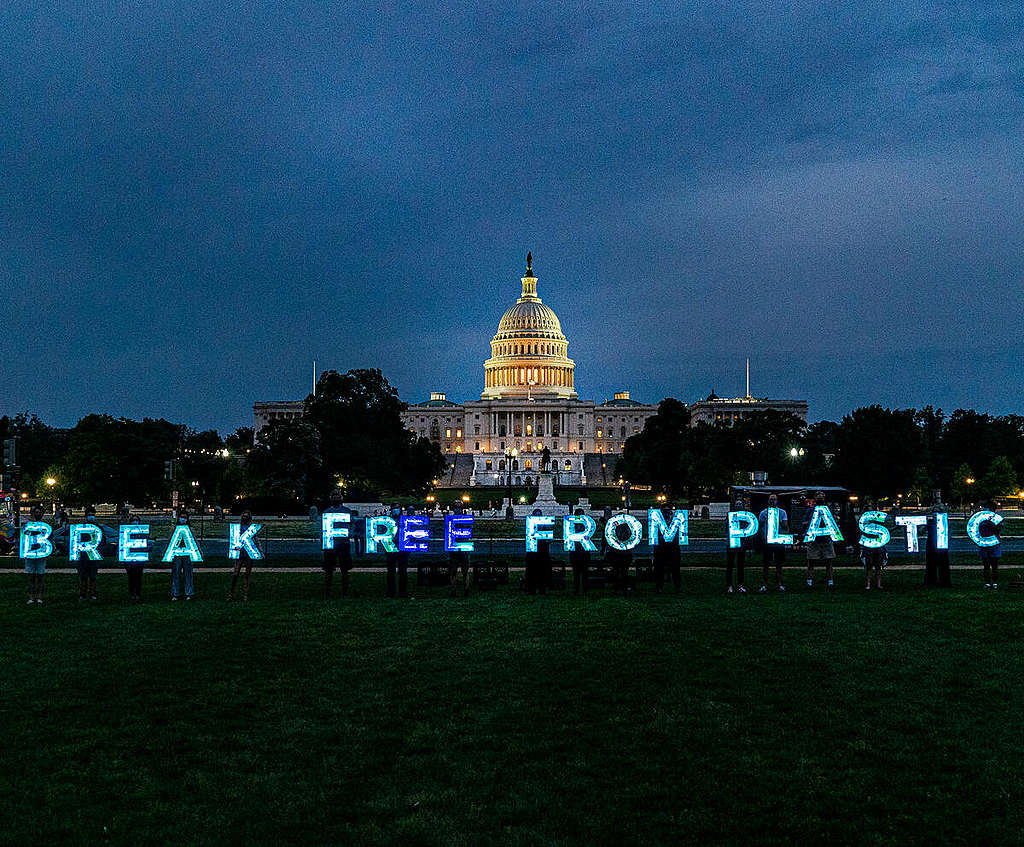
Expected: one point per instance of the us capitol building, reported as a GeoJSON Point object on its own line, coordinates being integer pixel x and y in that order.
{"type": "Point", "coordinates": [529, 403]}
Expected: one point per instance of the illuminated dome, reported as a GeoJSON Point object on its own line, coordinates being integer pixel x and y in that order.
{"type": "Point", "coordinates": [529, 351]}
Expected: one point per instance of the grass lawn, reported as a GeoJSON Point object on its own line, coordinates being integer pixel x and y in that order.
{"type": "Point", "coordinates": [804, 718]}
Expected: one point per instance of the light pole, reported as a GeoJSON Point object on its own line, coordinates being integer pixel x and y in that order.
{"type": "Point", "coordinates": [50, 482]}
{"type": "Point", "coordinates": [509, 456]}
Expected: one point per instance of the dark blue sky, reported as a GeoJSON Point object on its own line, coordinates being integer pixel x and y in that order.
{"type": "Point", "coordinates": [200, 198]}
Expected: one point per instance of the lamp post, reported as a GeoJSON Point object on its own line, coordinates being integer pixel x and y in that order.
{"type": "Point", "coordinates": [509, 456]}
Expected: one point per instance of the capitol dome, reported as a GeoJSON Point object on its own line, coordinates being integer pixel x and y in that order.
{"type": "Point", "coordinates": [529, 351]}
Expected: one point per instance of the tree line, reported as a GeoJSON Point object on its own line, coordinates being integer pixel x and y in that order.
{"type": "Point", "coordinates": [351, 436]}
{"type": "Point", "coordinates": [882, 453]}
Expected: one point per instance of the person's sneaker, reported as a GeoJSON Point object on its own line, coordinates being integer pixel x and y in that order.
{"type": "Point", "coordinates": [810, 583]}
{"type": "Point", "coordinates": [988, 584]}
{"type": "Point", "coordinates": [174, 598]}
{"type": "Point", "coordinates": [188, 596]}
{"type": "Point", "coordinates": [94, 597]}
{"type": "Point", "coordinates": [763, 589]}
{"type": "Point", "coordinates": [30, 602]}
{"type": "Point", "coordinates": [782, 588]}
{"type": "Point", "coordinates": [728, 589]}
{"type": "Point", "coordinates": [995, 584]}
{"type": "Point", "coordinates": [741, 590]}
{"type": "Point", "coordinates": [867, 587]}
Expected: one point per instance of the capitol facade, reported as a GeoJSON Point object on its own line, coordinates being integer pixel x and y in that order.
{"type": "Point", "coordinates": [528, 403]}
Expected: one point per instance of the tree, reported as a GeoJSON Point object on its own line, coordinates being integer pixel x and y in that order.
{"type": "Point", "coordinates": [40, 448]}
{"type": "Point", "coordinates": [878, 451]}
{"type": "Point", "coordinates": [660, 456]}
{"type": "Point", "coordinates": [363, 441]}
{"type": "Point", "coordinates": [962, 484]}
{"type": "Point", "coordinates": [1000, 480]}
{"type": "Point", "coordinates": [286, 463]}
{"type": "Point", "coordinates": [119, 460]}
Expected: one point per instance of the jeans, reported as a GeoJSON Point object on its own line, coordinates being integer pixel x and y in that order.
{"type": "Point", "coordinates": [181, 564]}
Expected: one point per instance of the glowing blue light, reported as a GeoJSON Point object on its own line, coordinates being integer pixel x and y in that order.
{"type": "Point", "coordinates": [912, 522]}
{"type": "Point", "coordinates": [822, 523]}
{"type": "Point", "coordinates": [741, 525]}
{"type": "Point", "coordinates": [458, 533]}
{"type": "Point", "coordinates": [133, 543]}
{"type": "Point", "coordinates": [35, 540]}
{"type": "Point", "coordinates": [332, 525]}
{"type": "Point", "coordinates": [571, 536]}
{"type": "Point", "coordinates": [182, 543]}
{"type": "Point", "coordinates": [381, 530]}
{"type": "Point", "coordinates": [773, 525]}
{"type": "Point", "coordinates": [538, 527]}
{"type": "Point", "coordinates": [636, 531]}
{"type": "Point", "coordinates": [941, 531]}
{"type": "Point", "coordinates": [413, 533]}
{"type": "Point", "coordinates": [677, 529]}
{"type": "Point", "coordinates": [239, 541]}
{"type": "Point", "coordinates": [873, 534]}
{"type": "Point", "coordinates": [84, 538]}
{"type": "Point", "coordinates": [974, 528]}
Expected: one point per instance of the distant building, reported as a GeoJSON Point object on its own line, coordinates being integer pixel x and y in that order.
{"type": "Point", "coordinates": [266, 411]}
{"type": "Point", "coordinates": [729, 410]}
{"type": "Point", "coordinates": [528, 403]}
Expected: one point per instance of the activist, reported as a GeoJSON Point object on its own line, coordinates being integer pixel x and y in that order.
{"type": "Point", "coordinates": [735, 558]}
{"type": "Point", "coordinates": [87, 568]}
{"type": "Point", "coordinates": [458, 559]}
{"type": "Point", "coordinates": [772, 554]}
{"type": "Point", "coordinates": [182, 565]}
{"type": "Point", "coordinates": [667, 554]}
{"type": "Point", "coordinates": [245, 521]}
{"type": "Point", "coordinates": [339, 555]}
{"type": "Point", "coordinates": [873, 558]}
{"type": "Point", "coordinates": [396, 564]}
{"type": "Point", "coordinates": [989, 555]}
{"type": "Point", "coordinates": [579, 559]}
{"type": "Point", "coordinates": [134, 570]}
{"type": "Point", "coordinates": [819, 549]}
{"type": "Point", "coordinates": [937, 570]}
{"type": "Point", "coordinates": [35, 568]}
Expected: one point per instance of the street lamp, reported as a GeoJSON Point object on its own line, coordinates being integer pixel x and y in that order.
{"type": "Point", "coordinates": [50, 481]}
{"type": "Point", "coordinates": [509, 456]}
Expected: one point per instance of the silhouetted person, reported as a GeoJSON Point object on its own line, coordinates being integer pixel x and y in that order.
{"type": "Point", "coordinates": [339, 556]}
{"type": "Point", "coordinates": [579, 560]}
{"type": "Point", "coordinates": [936, 561]}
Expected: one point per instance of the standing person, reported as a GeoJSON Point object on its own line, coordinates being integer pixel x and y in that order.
{"type": "Point", "coordinates": [182, 565]}
{"type": "Point", "coordinates": [134, 570]}
{"type": "Point", "coordinates": [667, 556]}
{"type": "Point", "coordinates": [244, 522]}
{"type": "Point", "coordinates": [458, 560]}
{"type": "Point", "coordinates": [579, 559]}
{"type": "Point", "coordinates": [821, 548]}
{"type": "Point", "coordinates": [340, 554]}
{"type": "Point", "coordinates": [736, 557]}
{"type": "Point", "coordinates": [873, 558]}
{"type": "Point", "coordinates": [990, 556]}
{"type": "Point", "coordinates": [88, 568]}
{"type": "Point", "coordinates": [397, 564]}
{"type": "Point", "coordinates": [772, 554]}
{"type": "Point", "coordinates": [939, 557]}
{"type": "Point", "coordinates": [35, 568]}
{"type": "Point", "coordinates": [62, 517]}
